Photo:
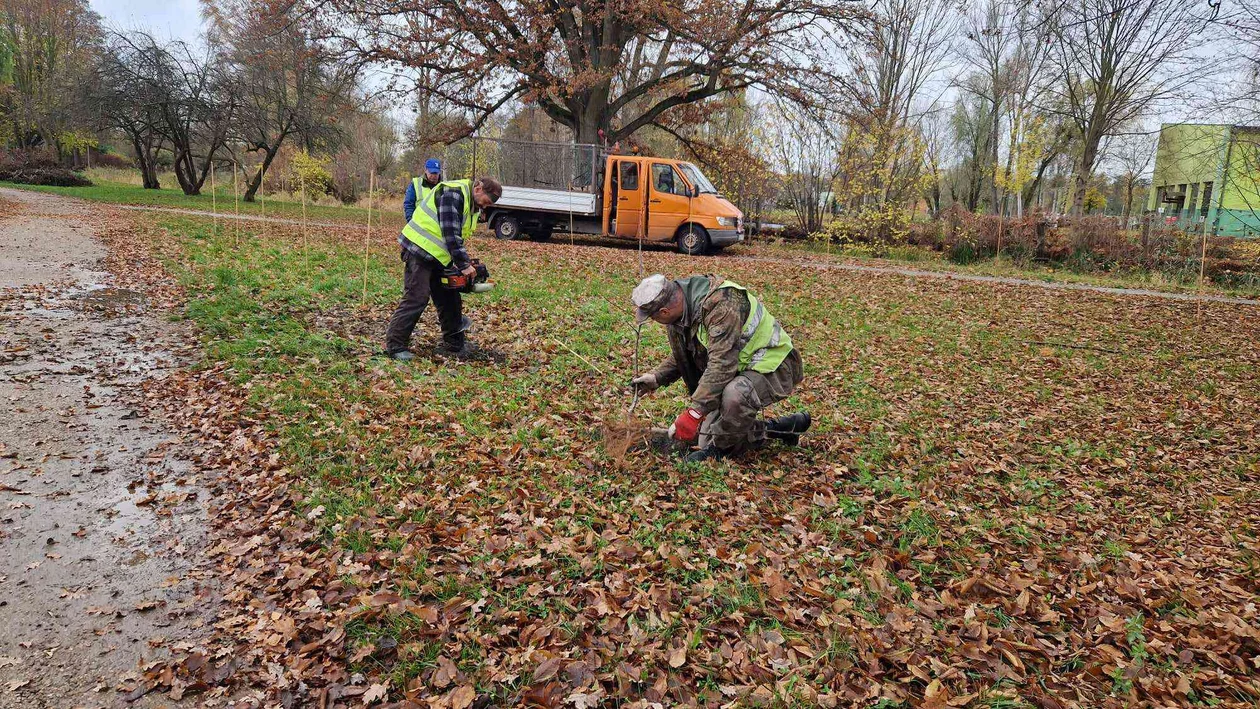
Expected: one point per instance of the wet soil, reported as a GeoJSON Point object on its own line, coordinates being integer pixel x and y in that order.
{"type": "Point", "coordinates": [102, 516]}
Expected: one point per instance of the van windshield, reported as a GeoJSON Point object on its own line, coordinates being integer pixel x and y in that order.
{"type": "Point", "coordinates": [697, 178]}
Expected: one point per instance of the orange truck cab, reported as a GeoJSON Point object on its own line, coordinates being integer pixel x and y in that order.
{"type": "Point", "coordinates": [633, 197]}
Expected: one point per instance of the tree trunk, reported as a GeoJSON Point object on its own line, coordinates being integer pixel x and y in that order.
{"type": "Point", "coordinates": [993, 153]}
{"type": "Point", "coordinates": [1128, 203]}
{"type": "Point", "coordinates": [144, 156]}
{"type": "Point", "coordinates": [185, 171]}
{"type": "Point", "coordinates": [1089, 154]}
{"type": "Point", "coordinates": [255, 182]}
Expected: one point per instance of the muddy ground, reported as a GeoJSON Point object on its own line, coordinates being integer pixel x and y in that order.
{"type": "Point", "coordinates": [102, 516]}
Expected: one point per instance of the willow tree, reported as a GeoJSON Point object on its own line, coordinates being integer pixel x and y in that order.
{"type": "Point", "coordinates": [610, 66]}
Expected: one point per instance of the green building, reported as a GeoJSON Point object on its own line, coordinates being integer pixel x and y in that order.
{"type": "Point", "coordinates": [1208, 175]}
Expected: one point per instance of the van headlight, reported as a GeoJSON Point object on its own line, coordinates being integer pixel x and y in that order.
{"type": "Point", "coordinates": [726, 221]}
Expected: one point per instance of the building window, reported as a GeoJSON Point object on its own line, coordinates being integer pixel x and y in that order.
{"type": "Point", "coordinates": [1207, 199]}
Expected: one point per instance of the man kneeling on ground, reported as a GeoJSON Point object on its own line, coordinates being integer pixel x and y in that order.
{"type": "Point", "coordinates": [732, 354]}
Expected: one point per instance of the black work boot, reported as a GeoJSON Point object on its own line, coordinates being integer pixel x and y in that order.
{"type": "Point", "coordinates": [788, 429]}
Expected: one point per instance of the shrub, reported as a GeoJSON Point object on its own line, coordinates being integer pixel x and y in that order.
{"type": "Point", "coordinates": [310, 173]}
{"type": "Point", "coordinates": [929, 234]}
{"type": "Point", "coordinates": [1090, 243]}
{"type": "Point", "coordinates": [791, 232]}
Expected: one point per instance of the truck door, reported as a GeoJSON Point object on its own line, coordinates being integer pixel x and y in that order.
{"type": "Point", "coordinates": [627, 198]}
{"type": "Point", "coordinates": [669, 205]}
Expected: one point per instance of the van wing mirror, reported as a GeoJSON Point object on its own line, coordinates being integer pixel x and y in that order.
{"type": "Point", "coordinates": [695, 190]}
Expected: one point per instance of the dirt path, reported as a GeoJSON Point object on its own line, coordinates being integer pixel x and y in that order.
{"type": "Point", "coordinates": [860, 268]}
{"type": "Point", "coordinates": [101, 519]}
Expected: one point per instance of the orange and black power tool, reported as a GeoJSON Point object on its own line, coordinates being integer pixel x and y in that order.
{"type": "Point", "coordinates": [477, 283]}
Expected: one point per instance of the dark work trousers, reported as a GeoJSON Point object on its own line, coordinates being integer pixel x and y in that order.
{"type": "Point", "coordinates": [422, 279]}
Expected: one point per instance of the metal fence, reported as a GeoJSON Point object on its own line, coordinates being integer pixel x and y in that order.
{"type": "Point", "coordinates": [517, 163]}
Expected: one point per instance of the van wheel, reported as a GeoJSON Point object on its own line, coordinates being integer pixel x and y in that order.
{"type": "Point", "coordinates": [507, 227]}
{"type": "Point", "coordinates": [693, 240]}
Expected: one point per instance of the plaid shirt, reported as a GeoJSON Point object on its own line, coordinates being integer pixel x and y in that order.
{"type": "Point", "coordinates": [450, 203]}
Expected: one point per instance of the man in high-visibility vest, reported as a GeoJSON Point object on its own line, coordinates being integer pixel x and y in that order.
{"type": "Point", "coordinates": [432, 241]}
{"type": "Point", "coordinates": [734, 357]}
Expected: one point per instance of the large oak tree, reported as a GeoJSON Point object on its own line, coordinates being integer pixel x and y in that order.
{"type": "Point", "coordinates": [598, 65]}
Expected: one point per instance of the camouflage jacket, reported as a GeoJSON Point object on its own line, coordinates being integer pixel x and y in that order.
{"type": "Point", "coordinates": [705, 370]}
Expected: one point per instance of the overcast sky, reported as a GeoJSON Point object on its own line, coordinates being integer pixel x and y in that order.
{"type": "Point", "coordinates": [177, 19]}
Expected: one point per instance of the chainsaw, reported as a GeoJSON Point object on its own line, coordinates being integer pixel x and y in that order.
{"type": "Point", "coordinates": [477, 283]}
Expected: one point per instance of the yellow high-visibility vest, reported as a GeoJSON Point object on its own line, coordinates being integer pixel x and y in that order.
{"type": "Point", "coordinates": [765, 344]}
{"type": "Point", "coordinates": [424, 230]}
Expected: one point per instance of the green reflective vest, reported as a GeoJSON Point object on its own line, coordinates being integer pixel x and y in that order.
{"type": "Point", "coordinates": [765, 344]}
{"type": "Point", "coordinates": [424, 230]}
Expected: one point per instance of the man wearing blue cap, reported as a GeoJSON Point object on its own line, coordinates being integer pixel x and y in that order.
{"type": "Point", "coordinates": [420, 186]}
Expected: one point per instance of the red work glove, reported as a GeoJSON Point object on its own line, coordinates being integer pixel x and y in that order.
{"type": "Point", "coordinates": [687, 425]}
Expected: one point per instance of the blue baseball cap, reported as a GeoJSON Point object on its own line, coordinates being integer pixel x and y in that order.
{"type": "Point", "coordinates": [433, 165]}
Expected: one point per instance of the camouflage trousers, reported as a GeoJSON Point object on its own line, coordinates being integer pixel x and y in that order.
{"type": "Point", "coordinates": [736, 425]}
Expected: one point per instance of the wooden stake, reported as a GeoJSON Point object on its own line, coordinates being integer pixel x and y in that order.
{"type": "Point", "coordinates": [306, 247]}
{"type": "Point", "coordinates": [1202, 263]}
{"type": "Point", "coordinates": [214, 204]}
{"type": "Point", "coordinates": [367, 238]}
{"type": "Point", "coordinates": [236, 198]}
{"type": "Point", "coordinates": [997, 255]}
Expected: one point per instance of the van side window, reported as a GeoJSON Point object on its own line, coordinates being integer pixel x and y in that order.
{"type": "Point", "coordinates": [629, 175]}
{"type": "Point", "coordinates": [665, 179]}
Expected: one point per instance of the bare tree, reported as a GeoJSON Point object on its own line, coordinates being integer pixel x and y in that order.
{"type": "Point", "coordinates": [1242, 56]}
{"type": "Point", "coordinates": [1007, 52]}
{"type": "Point", "coordinates": [598, 65]}
{"type": "Point", "coordinates": [366, 143]}
{"type": "Point", "coordinates": [1133, 154]}
{"type": "Point", "coordinates": [286, 84]}
{"type": "Point", "coordinates": [991, 42]}
{"type": "Point", "coordinates": [192, 95]}
{"type": "Point", "coordinates": [1116, 59]}
{"type": "Point", "coordinates": [1058, 135]}
{"type": "Point", "coordinates": [972, 133]}
{"type": "Point", "coordinates": [894, 61]}
{"type": "Point", "coordinates": [127, 102]}
{"type": "Point", "coordinates": [936, 141]}
{"type": "Point", "coordinates": [807, 150]}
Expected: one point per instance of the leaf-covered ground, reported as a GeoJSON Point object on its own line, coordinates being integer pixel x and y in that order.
{"type": "Point", "coordinates": [1015, 497]}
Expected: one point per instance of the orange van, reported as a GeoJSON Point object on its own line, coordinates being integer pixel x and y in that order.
{"type": "Point", "coordinates": [632, 197]}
